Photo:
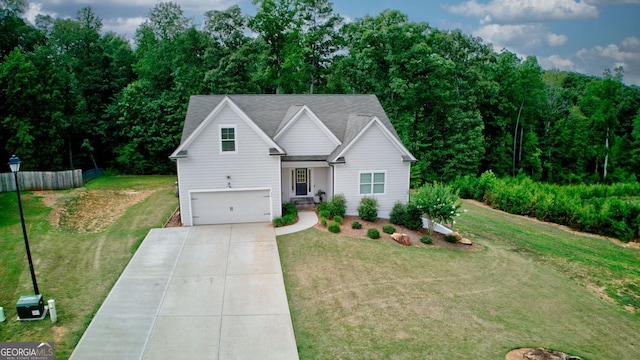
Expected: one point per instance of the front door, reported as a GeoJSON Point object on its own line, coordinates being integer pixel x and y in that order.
{"type": "Point", "coordinates": [301, 182]}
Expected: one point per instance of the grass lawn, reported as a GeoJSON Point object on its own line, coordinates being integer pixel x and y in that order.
{"type": "Point", "coordinates": [366, 299]}
{"type": "Point", "coordinates": [80, 241]}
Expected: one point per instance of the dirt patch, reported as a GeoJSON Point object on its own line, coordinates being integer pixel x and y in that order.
{"type": "Point", "coordinates": [89, 211]}
{"type": "Point", "coordinates": [437, 239]}
{"type": "Point", "coordinates": [175, 220]}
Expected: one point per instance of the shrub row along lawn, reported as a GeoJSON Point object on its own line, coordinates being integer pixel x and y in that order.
{"type": "Point", "coordinates": [367, 299]}
{"type": "Point", "coordinates": [610, 210]}
{"type": "Point", "coordinates": [78, 260]}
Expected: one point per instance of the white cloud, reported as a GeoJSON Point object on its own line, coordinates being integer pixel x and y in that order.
{"type": "Point", "coordinates": [604, 3]}
{"type": "Point", "coordinates": [122, 26]}
{"type": "Point", "coordinates": [631, 44]}
{"type": "Point", "coordinates": [524, 11]}
{"type": "Point", "coordinates": [34, 10]}
{"type": "Point", "coordinates": [556, 40]}
{"type": "Point", "coordinates": [557, 62]}
{"type": "Point", "coordinates": [626, 54]}
{"type": "Point", "coordinates": [521, 38]}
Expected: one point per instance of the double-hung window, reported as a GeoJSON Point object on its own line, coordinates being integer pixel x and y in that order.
{"type": "Point", "coordinates": [372, 182]}
{"type": "Point", "coordinates": [228, 139]}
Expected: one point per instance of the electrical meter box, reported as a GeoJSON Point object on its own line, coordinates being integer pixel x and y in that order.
{"type": "Point", "coordinates": [30, 307]}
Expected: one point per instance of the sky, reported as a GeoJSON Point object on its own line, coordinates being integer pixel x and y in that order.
{"type": "Point", "coordinates": [585, 36]}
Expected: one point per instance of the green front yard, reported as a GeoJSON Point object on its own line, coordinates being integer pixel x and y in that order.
{"type": "Point", "coordinates": [366, 299]}
{"type": "Point", "coordinates": [81, 240]}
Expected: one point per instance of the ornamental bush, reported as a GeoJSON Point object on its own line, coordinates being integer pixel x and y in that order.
{"type": "Point", "coordinates": [373, 233]}
{"type": "Point", "coordinates": [324, 213]}
{"type": "Point", "coordinates": [450, 238]}
{"type": "Point", "coordinates": [368, 209]}
{"type": "Point", "coordinates": [338, 205]}
{"type": "Point", "coordinates": [413, 217]}
{"type": "Point", "coordinates": [356, 225]}
{"type": "Point", "coordinates": [388, 229]}
{"type": "Point", "coordinates": [438, 202]}
{"type": "Point", "coordinates": [426, 240]}
{"type": "Point", "coordinates": [289, 214]}
{"type": "Point", "coordinates": [334, 227]}
{"type": "Point", "coordinates": [338, 219]}
{"type": "Point", "coordinates": [398, 214]}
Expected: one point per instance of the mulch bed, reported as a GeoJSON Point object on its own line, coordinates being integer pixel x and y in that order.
{"type": "Point", "coordinates": [437, 238]}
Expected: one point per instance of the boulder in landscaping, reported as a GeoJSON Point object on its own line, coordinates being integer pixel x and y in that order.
{"type": "Point", "coordinates": [402, 239]}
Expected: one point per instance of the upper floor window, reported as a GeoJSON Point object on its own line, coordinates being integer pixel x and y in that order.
{"type": "Point", "coordinates": [227, 138]}
{"type": "Point", "coordinates": [372, 183]}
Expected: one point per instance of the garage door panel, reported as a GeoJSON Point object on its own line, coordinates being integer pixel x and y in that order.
{"type": "Point", "coordinates": [237, 206]}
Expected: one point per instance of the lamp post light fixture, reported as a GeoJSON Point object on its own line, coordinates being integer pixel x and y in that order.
{"type": "Point", "coordinates": [14, 164]}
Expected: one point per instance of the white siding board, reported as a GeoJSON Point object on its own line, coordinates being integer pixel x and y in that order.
{"type": "Point", "coordinates": [305, 137]}
{"type": "Point", "coordinates": [373, 151]}
{"type": "Point", "coordinates": [206, 168]}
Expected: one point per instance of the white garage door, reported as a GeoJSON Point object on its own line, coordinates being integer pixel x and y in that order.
{"type": "Point", "coordinates": [231, 206]}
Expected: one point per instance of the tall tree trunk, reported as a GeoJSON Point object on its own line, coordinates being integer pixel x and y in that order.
{"type": "Point", "coordinates": [312, 81]}
{"type": "Point", "coordinates": [515, 138]}
{"type": "Point", "coordinates": [521, 141]}
{"type": "Point", "coordinates": [606, 156]}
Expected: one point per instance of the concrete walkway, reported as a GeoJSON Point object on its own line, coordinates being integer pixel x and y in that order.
{"type": "Point", "coordinates": [205, 292]}
{"type": "Point", "coordinates": [306, 219]}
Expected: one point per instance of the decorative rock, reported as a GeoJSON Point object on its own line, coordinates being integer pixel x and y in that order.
{"type": "Point", "coordinates": [456, 235]}
{"type": "Point", "coordinates": [402, 239]}
{"type": "Point", "coordinates": [465, 241]}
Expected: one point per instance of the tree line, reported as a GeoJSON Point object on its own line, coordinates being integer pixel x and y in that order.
{"type": "Point", "coordinates": [73, 96]}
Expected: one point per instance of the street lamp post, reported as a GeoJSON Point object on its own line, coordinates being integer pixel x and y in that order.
{"type": "Point", "coordinates": [14, 164]}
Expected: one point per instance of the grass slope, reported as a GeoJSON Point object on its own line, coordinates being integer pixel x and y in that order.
{"type": "Point", "coordinates": [76, 269]}
{"type": "Point", "coordinates": [366, 299]}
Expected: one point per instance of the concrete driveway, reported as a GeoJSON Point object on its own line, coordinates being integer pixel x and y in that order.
{"type": "Point", "coordinates": [205, 292]}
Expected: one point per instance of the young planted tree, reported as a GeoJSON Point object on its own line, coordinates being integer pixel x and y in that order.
{"type": "Point", "coordinates": [438, 202]}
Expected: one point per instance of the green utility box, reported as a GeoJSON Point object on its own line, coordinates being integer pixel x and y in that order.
{"type": "Point", "coordinates": [30, 307]}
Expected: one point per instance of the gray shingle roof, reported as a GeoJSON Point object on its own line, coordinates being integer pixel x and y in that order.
{"type": "Point", "coordinates": [343, 115]}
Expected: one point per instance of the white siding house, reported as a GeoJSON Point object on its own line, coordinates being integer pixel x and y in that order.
{"type": "Point", "coordinates": [242, 156]}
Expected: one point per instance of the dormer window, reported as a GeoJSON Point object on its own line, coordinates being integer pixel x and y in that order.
{"type": "Point", "coordinates": [228, 139]}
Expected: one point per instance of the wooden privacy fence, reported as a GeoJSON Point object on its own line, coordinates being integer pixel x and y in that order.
{"type": "Point", "coordinates": [42, 180]}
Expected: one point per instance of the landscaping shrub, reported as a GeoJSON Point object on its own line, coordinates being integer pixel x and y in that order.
{"type": "Point", "coordinates": [289, 214]}
{"type": "Point", "coordinates": [334, 227]}
{"type": "Point", "coordinates": [338, 205]}
{"type": "Point", "coordinates": [324, 213]}
{"type": "Point", "coordinates": [338, 219]}
{"type": "Point", "coordinates": [325, 206]}
{"type": "Point", "coordinates": [426, 240]}
{"type": "Point", "coordinates": [278, 222]}
{"type": "Point", "coordinates": [451, 239]}
{"type": "Point", "coordinates": [438, 202]}
{"type": "Point", "coordinates": [373, 233]}
{"type": "Point", "coordinates": [356, 225]}
{"type": "Point", "coordinates": [323, 221]}
{"type": "Point", "coordinates": [289, 208]}
{"type": "Point", "coordinates": [602, 209]}
{"type": "Point", "coordinates": [368, 209]}
{"type": "Point", "coordinates": [388, 229]}
{"type": "Point", "coordinates": [398, 214]}
{"type": "Point", "coordinates": [413, 217]}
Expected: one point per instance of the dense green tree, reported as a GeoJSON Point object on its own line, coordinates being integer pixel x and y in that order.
{"type": "Point", "coordinates": [276, 25]}
{"type": "Point", "coordinates": [320, 40]}
{"type": "Point", "coordinates": [85, 98]}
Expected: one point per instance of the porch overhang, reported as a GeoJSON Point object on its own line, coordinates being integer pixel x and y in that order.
{"type": "Point", "coordinates": [304, 158]}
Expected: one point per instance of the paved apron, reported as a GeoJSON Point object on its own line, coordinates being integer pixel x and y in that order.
{"type": "Point", "coordinates": [205, 292]}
